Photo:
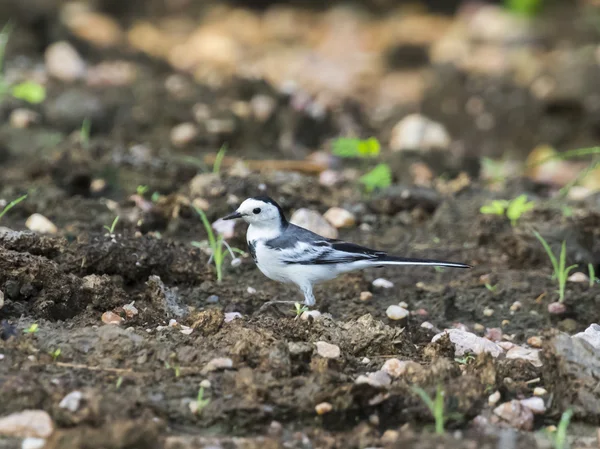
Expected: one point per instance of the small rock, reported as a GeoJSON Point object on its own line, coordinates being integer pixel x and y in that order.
{"type": "Point", "coordinates": [330, 178]}
{"type": "Point", "coordinates": [313, 221]}
{"type": "Point", "coordinates": [27, 424]}
{"type": "Point", "coordinates": [206, 185]}
{"type": "Point", "coordinates": [531, 355]}
{"type": "Point", "coordinates": [212, 299]}
{"type": "Point", "coordinates": [365, 360]}
{"type": "Point", "coordinates": [366, 296]}
{"type": "Point", "coordinates": [183, 134]}
{"type": "Point", "coordinates": [478, 327]}
{"type": "Point", "coordinates": [494, 398]}
{"type": "Point", "coordinates": [340, 218]}
{"type": "Point", "coordinates": [100, 29]}
{"type": "Point", "coordinates": [377, 379]}
{"type": "Point", "coordinates": [403, 304]}
{"type": "Point", "coordinates": [515, 414]}
{"type": "Point", "coordinates": [557, 308]}
{"type": "Point", "coordinates": [579, 277]}
{"type": "Point", "coordinates": [535, 341]}
{"type": "Point", "coordinates": [427, 325]}
{"type": "Point", "coordinates": [111, 318]}
{"type": "Point", "coordinates": [219, 363]}
{"type": "Point", "coordinates": [539, 391]}
{"type": "Point", "coordinates": [71, 401]}
{"type": "Point", "coordinates": [230, 316]}
{"type": "Point", "coordinates": [416, 132]}
{"type": "Point", "coordinates": [39, 223]}
{"type": "Point", "coordinates": [396, 312]}
{"type": "Point", "coordinates": [591, 335]}
{"type": "Point", "coordinates": [262, 107]}
{"type": "Point", "coordinates": [397, 368]}
{"type": "Point", "coordinates": [63, 62]}
{"type": "Point", "coordinates": [130, 310]}
{"type": "Point", "coordinates": [23, 118]}
{"type": "Point", "coordinates": [535, 404]}
{"type": "Point", "coordinates": [466, 342]}
{"type": "Point", "coordinates": [390, 437]}
{"type": "Point", "coordinates": [33, 443]}
{"type": "Point", "coordinates": [382, 283]}
{"type": "Point", "coordinates": [186, 330]}
{"type": "Point", "coordinates": [494, 334]}
{"type": "Point", "coordinates": [327, 350]}
{"type": "Point", "coordinates": [236, 262]}
{"type": "Point", "coordinates": [516, 306]}
{"type": "Point", "coordinates": [323, 407]}
{"type": "Point", "coordinates": [310, 315]}
{"type": "Point", "coordinates": [488, 311]}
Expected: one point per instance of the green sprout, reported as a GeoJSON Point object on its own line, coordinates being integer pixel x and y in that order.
{"type": "Point", "coordinates": [378, 178]}
{"type": "Point", "coordinates": [175, 367]}
{"type": "Point", "coordinates": [55, 354]}
{"type": "Point", "coordinates": [361, 148]}
{"type": "Point", "coordinates": [12, 204]}
{"type": "Point", "coordinates": [201, 402]}
{"type": "Point", "coordinates": [559, 438]}
{"type": "Point", "coordinates": [592, 274]}
{"type": "Point", "coordinates": [119, 382]}
{"type": "Point", "coordinates": [29, 91]}
{"type": "Point", "coordinates": [219, 159]}
{"type": "Point", "coordinates": [299, 309]}
{"type": "Point", "coordinates": [490, 287]}
{"type": "Point", "coordinates": [32, 329]}
{"type": "Point", "coordinates": [464, 360]}
{"type": "Point", "coordinates": [513, 208]}
{"type": "Point", "coordinates": [435, 406]}
{"type": "Point", "coordinates": [84, 132]}
{"type": "Point", "coordinates": [561, 271]}
{"type": "Point", "coordinates": [141, 190]}
{"type": "Point", "coordinates": [111, 228]}
{"type": "Point", "coordinates": [527, 8]}
{"type": "Point", "coordinates": [216, 245]}
{"type": "Point", "coordinates": [155, 197]}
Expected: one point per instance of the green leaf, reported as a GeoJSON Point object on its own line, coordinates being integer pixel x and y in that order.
{"type": "Point", "coordinates": [351, 147]}
{"type": "Point", "coordinates": [527, 8]}
{"type": "Point", "coordinates": [378, 178]}
{"type": "Point", "coordinates": [518, 207]}
{"type": "Point", "coordinates": [29, 91]}
{"type": "Point", "coordinates": [496, 207]}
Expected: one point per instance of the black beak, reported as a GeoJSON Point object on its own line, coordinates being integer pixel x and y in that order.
{"type": "Point", "coordinates": [232, 216]}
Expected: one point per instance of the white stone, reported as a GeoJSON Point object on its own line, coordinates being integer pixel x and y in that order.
{"type": "Point", "coordinates": [230, 316]}
{"type": "Point", "coordinates": [382, 283]}
{"type": "Point", "coordinates": [416, 132]}
{"type": "Point", "coordinates": [28, 423]}
{"type": "Point", "coordinates": [396, 313]}
{"type": "Point", "coordinates": [494, 398]}
{"type": "Point", "coordinates": [366, 295]}
{"type": "Point", "coordinates": [33, 443]}
{"type": "Point", "coordinates": [397, 368]}
{"type": "Point", "coordinates": [539, 391]}
{"type": "Point", "coordinates": [63, 62]}
{"type": "Point", "coordinates": [310, 314]}
{"type": "Point", "coordinates": [262, 107]}
{"type": "Point", "coordinates": [183, 134]}
{"type": "Point", "coordinates": [591, 335]}
{"type": "Point", "coordinates": [535, 404]}
{"type": "Point", "coordinates": [22, 118]}
{"type": "Point", "coordinates": [377, 379]}
{"type": "Point", "coordinates": [516, 414]}
{"type": "Point", "coordinates": [219, 363]}
{"type": "Point", "coordinates": [578, 277]}
{"type": "Point", "coordinates": [39, 223]}
{"type": "Point", "coordinates": [327, 350]}
{"type": "Point", "coordinates": [329, 178]}
{"type": "Point", "coordinates": [340, 218]}
{"type": "Point", "coordinates": [251, 290]}
{"type": "Point", "coordinates": [323, 407]}
{"type": "Point", "coordinates": [529, 354]}
{"type": "Point", "coordinates": [313, 221]}
{"type": "Point", "coordinates": [71, 401]}
{"type": "Point", "coordinates": [467, 342]}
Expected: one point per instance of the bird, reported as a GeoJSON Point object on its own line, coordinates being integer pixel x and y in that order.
{"type": "Point", "coordinates": [291, 254]}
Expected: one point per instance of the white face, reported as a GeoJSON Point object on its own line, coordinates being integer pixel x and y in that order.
{"type": "Point", "coordinates": [259, 213]}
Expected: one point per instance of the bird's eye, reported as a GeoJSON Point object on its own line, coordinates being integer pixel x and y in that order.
{"type": "Point", "coordinates": [256, 211]}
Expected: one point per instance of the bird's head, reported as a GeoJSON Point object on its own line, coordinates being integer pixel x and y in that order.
{"type": "Point", "coordinates": [260, 211]}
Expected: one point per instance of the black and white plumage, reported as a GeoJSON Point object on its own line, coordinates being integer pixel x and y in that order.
{"type": "Point", "coordinates": [288, 253]}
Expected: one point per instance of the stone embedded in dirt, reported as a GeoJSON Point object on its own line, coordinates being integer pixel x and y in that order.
{"type": "Point", "coordinates": [488, 311]}
{"type": "Point", "coordinates": [416, 132]}
{"type": "Point", "coordinates": [71, 401]}
{"type": "Point", "coordinates": [535, 404]}
{"type": "Point", "coordinates": [33, 443]}
{"type": "Point", "coordinates": [378, 379]}
{"type": "Point", "coordinates": [251, 290]}
{"type": "Point", "coordinates": [366, 295]}
{"type": "Point", "coordinates": [591, 335]}
{"type": "Point", "coordinates": [39, 223]}
{"type": "Point", "coordinates": [396, 312]}
{"type": "Point", "coordinates": [186, 330]}
{"type": "Point", "coordinates": [310, 315]}
{"type": "Point", "coordinates": [327, 350]}
{"type": "Point", "coordinates": [539, 391]}
{"type": "Point", "coordinates": [111, 318]}
{"type": "Point", "coordinates": [535, 341]}
{"type": "Point", "coordinates": [515, 414]}
{"type": "Point", "coordinates": [323, 407]}
{"type": "Point", "coordinates": [216, 364]}
{"type": "Point", "coordinates": [63, 62]}
{"type": "Point", "coordinates": [22, 118]}
{"type": "Point", "coordinates": [494, 398]}
{"type": "Point", "coordinates": [230, 316]}
{"type": "Point", "coordinates": [397, 368]}
{"type": "Point", "coordinates": [212, 299]}
{"type": "Point", "coordinates": [183, 134]}
{"type": "Point", "coordinates": [466, 342]}
{"type": "Point", "coordinates": [529, 354]}
{"type": "Point", "coordinates": [340, 218]}
{"type": "Point", "coordinates": [207, 185]}
{"type": "Point", "coordinates": [28, 423]}
{"type": "Point", "coordinates": [130, 310]}
{"type": "Point", "coordinates": [382, 283]}
{"type": "Point", "coordinates": [516, 306]}
{"type": "Point", "coordinates": [578, 277]}
{"type": "Point", "coordinates": [314, 221]}
{"type": "Point", "coordinates": [403, 304]}
{"type": "Point", "coordinates": [557, 308]}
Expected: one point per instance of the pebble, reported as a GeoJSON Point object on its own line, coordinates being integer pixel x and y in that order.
{"type": "Point", "coordinates": [212, 299]}
{"type": "Point", "coordinates": [364, 296]}
{"type": "Point", "coordinates": [310, 315]}
{"type": "Point", "coordinates": [111, 318]}
{"type": "Point", "coordinates": [327, 350]}
{"type": "Point", "coordinates": [396, 368]}
{"type": "Point", "coordinates": [71, 401]}
{"type": "Point", "coordinates": [340, 218]}
{"type": "Point", "coordinates": [323, 407]}
{"type": "Point", "coordinates": [130, 310]}
{"type": "Point", "coordinates": [557, 308]}
{"type": "Point", "coordinates": [183, 134]}
{"type": "Point", "coordinates": [529, 354]}
{"type": "Point", "coordinates": [467, 342]}
{"type": "Point", "coordinates": [382, 283]}
{"type": "Point", "coordinates": [99, 29]}
{"type": "Point", "coordinates": [313, 221]}
{"type": "Point", "coordinates": [488, 311]}
{"type": "Point", "coordinates": [377, 379]}
{"type": "Point", "coordinates": [219, 363]}
{"type": "Point", "coordinates": [516, 414]}
{"type": "Point", "coordinates": [262, 107]}
{"type": "Point", "coordinates": [251, 290]}
{"type": "Point", "coordinates": [23, 118]}
{"type": "Point", "coordinates": [579, 277]}
{"type": "Point", "coordinates": [28, 423]}
{"type": "Point", "coordinates": [591, 335]}
{"type": "Point", "coordinates": [478, 327]}
{"type": "Point", "coordinates": [39, 223]}
{"type": "Point", "coordinates": [535, 404]}
{"type": "Point", "coordinates": [206, 185]}
{"type": "Point", "coordinates": [516, 306]}
{"type": "Point", "coordinates": [427, 325]}
{"type": "Point", "coordinates": [539, 391]}
{"type": "Point", "coordinates": [390, 437]}
{"type": "Point", "coordinates": [230, 316]}
{"type": "Point", "coordinates": [186, 330]}
{"type": "Point", "coordinates": [365, 360]}
{"type": "Point", "coordinates": [494, 398]}
{"type": "Point", "coordinates": [417, 132]}
{"type": "Point", "coordinates": [330, 178]}
{"type": "Point", "coordinates": [63, 62]}
{"type": "Point", "coordinates": [535, 341]}
{"type": "Point", "coordinates": [396, 312]}
{"type": "Point", "coordinates": [33, 443]}
{"type": "Point", "coordinates": [403, 304]}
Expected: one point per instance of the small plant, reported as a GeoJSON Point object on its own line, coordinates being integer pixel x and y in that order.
{"type": "Point", "coordinates": [513, 209]}
{"type": "Point", "coordinates": [141, 190]}
{"type": "Point", "coordinates": [219, 159]}
{"type": "Point", "coordinates": [12, 204]}
{"type": "Point", "coordinates": [359, 148]}
{"type": "Point", "coordinates": [528, 8]}
{"type": "Point", "coordinates": [435, 406]}
{"type": "Point", "coordinates": [32, 329]}
{"type": "Point", "coordinates": [84, 132]}
{"type": "Point", "coordinates": [378, 178]}
{"type": "Point", "coordinates": [464, 360]}
{"type": "Point", "coordinates": [561, 271]}
{"type": "Point", "coordinates": [592, 274]}
{"type": "Point", "coordinates": [175, 367]}
{"type": "Point", "coordinates": [201, 402]}
{"type": "Point", "coordinates": [119, 382]}
{"type": "Point", "coordinates": [216, 245]}
{"type": "Point", "coordinates": [490, 287]}
{"type": "Point", "coordinates": [155, 197]}
{"type": "Point", "coordinates": [559, 438]}
{"type": "Point", "coordinates": [299, 309]}
{"type": "Point", "coordinates": [111, 228]}
{"type": "Point", "coordinates": [55, 354]}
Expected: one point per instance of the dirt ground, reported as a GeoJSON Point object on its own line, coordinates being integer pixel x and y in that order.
{"type": "Point", "coordinates": [139, 380]}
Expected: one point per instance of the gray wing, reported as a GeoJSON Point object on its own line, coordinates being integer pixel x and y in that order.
{"type": "Point", "coordinates": [301, 246]}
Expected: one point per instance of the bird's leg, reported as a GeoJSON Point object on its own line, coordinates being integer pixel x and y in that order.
{"type": "Point", "coordinates": [309, 298]}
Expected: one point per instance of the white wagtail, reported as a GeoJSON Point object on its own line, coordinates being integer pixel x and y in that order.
{"type": "Point", "coordinates": [288, 253]}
